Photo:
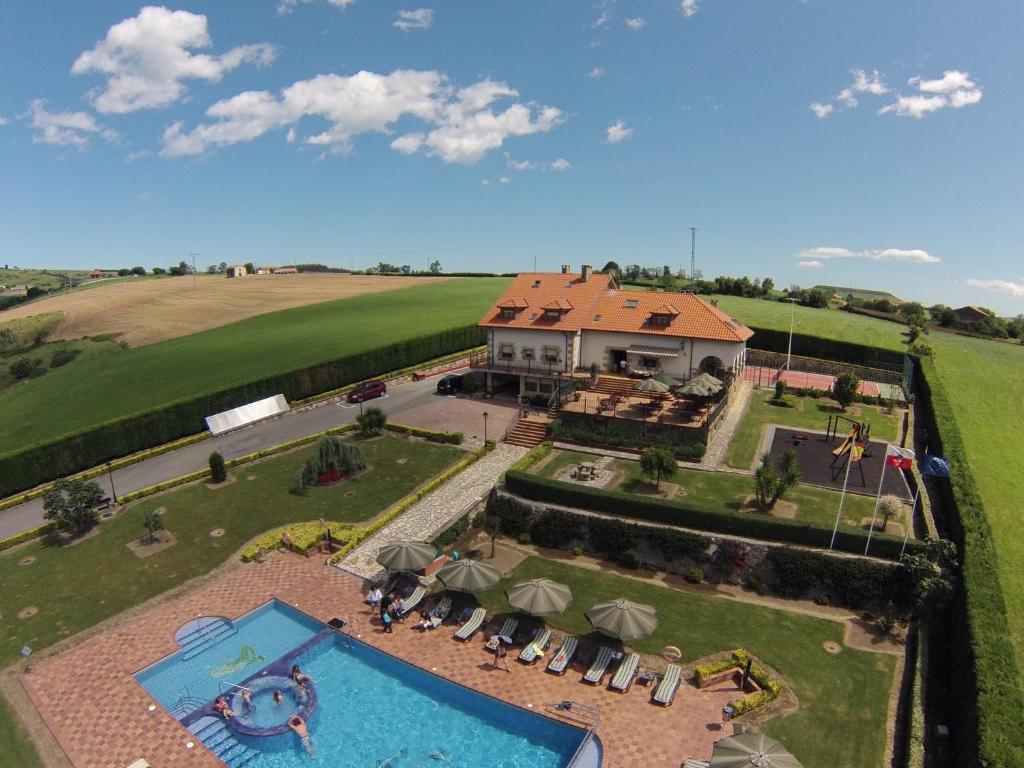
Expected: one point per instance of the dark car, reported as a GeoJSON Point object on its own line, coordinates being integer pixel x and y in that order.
{"type": "Point", "coordinates": [367, 390]}
{"type": "Point", "coordinates": [449, 385]}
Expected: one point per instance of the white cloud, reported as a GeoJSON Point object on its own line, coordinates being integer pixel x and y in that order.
{"type": "Point", "coordinates": [688, 7]}
{"type": "Point", "coordinates": [821, 110]}
{"type": "Point", "coordinates": [3, 121]}
{"type": "Point", "coordinates": [637, 23]}
{"type": "Point", "coordinates": [846, 98]}
{"type": "Point", "coordinates": [617, 132]}
{"type": "Point", "coordinates": [291, 135]}
{"type": "Point", "coordinates": [145, 196]}
{"type": "Point", "coordinates": [64, 129]}
{"type": "Point", "coordinates": [146, 59]}
{"type": "Point", "coordinates": [561, 164]}
{"type": "Point", "coordinates": [287, 6]}
{"type": "Point", "coordinates": [485, 182]}
{"type": "Point", "coordinates": [504, 180]}
{"type": "Point", "coordinates": [519, 165]}
{"type": "Point", "coordinates": [421, 18]}
{"type": "Point", "coordinates": [131, 157]}
{"type": "Point", "coordinates": [596, 73]}
{"type": "Point", "coordinates": [603, 19]}
{"type": "Point", "coordinates": [865, 83]}
{"type": "Point", "coordinates": [464, 124]}
{"type": "Point", "coordinates": [999, 286]}
{"type": "Point", "coordinates": [954, 89]}
{"type": "Point", "coordinates": [915, 255]}
{"type": "Point", "coordinates": [810, 264]}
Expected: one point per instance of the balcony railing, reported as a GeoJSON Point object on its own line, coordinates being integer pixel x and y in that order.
{"type": "Point", "coordinates": [512, 365]}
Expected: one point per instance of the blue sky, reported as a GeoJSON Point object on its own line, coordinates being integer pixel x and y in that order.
{"type": "Point", "coordinates": [862, 143]}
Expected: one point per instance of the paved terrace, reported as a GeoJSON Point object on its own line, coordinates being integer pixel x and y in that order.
{"type": "Point", "coordinates": [98, 713]}
{"type": "Point", "coordinates": [435, 512]}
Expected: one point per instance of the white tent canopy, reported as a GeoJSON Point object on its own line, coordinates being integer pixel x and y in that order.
{"type": "Point", "coordinates": [246, 414]}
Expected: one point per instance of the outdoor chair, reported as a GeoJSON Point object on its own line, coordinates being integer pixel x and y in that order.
{"type": "Point", "coordinates": [409, 603]}
{"type": "Point", "coordinates": [625, 674]}
{"type": "Point", "coordinates": [473, 623]}
{"type": "Point", "coordinates": [534, 649]}
{"type": "Point", "coordinates": [665, 693]}
{"type": "Point", "coordinates": [560, 661]}
{"type": "Point", "coordinates": [597, 670]}
{"type": "Point", "coordinates": [508, 629]}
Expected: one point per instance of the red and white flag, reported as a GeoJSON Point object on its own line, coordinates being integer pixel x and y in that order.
{"type": "Point", "coordinates": [899, 458]}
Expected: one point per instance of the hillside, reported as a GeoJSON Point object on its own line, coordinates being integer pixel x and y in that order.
{"type": "Point", "coordinates": [859, 293]}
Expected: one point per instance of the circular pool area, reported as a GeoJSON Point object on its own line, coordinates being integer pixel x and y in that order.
{"type": "Point", "coordinates": [267, 717]}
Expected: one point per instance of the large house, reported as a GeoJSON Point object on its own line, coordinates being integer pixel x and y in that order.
{"type": "Point", "coordinates": [546, 326]}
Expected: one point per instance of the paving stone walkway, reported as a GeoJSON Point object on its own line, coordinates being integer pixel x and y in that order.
{"type": "Point", "coordinates": [435, 512]}
{"type": "Point", "coordinates": [714, 457]}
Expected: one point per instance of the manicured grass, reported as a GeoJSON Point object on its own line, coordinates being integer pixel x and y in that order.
{"type": "Point", "coordinates": [807, 413]}
{"type": "Point", "coordinates": [15, 745]}
{"type": "Point", "coordinates": [983, 379]}
{"type": "Point", "coordinates": [843, 698]}
{"type": "Point", "coordinates": [90, 392]}
{"type": "Point", "coordinates": [116, 579]}
{"type": "Point", "coordinates": [87, 348]}
{"type": "Point", "coordinates": [823, 323]}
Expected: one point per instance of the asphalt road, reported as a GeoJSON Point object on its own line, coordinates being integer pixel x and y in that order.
{"type": "Point", "coordinates": [407, 398]}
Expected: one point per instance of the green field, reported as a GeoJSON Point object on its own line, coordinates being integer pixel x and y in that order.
{"type": "Point", "coordinates": [823, 323]}
{"type": "Point", "coordinates": [858, 293]}
{"type": "Point", "coordinates": [807, 413]}
{"type": "Point", "coordinates": [90, 392]}
{"type": "Point", "coordinates": [843, 698]}
{"type": "Point", "coordinates": [985, 382]}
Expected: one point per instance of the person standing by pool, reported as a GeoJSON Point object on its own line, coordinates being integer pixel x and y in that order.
{"type": "Point", "coordinates": [501, 656]}
{"type": "Point", "coordinates": [247, 699]}
{"type": "Point", "coordinates": [386, 619]}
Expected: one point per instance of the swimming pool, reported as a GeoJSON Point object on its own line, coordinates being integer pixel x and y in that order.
{"type": "Point", "coordinates": [376, 711]}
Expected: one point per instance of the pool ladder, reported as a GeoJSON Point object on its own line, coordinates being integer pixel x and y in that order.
{"type": "Point", "coordinates": [185, 704]}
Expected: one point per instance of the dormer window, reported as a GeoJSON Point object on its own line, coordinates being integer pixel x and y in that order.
{"type": "Point", "coordinates": [552, 314]}
{"type": "Point", "coordinates": [631, 304]}
{"type": "Point", "coordinates": [662, 320]}
{"type": "Point", "coordinates": [508, 314]}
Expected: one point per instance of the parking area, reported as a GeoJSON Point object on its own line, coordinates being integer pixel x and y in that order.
{"type": "Point", "coordinates": [462, 414]}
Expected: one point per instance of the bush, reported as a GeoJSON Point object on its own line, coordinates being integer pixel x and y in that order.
{"type": "Point", "coordinates": [780, 389]}
{"type": "Point", "coordinates": [372, 421]}
{"type": "Point", "coordinates": [63, 357]}
{"type": "Point", "coordinates": [71, 504]}
{"type": "Point", "coordinates": [629, 559]}
{"type": "Point", "coordinates": [218, 472]}
{"type": "Point", "coordinates": [695, 575]}
{"type": "Point", "coordinates": [430, 435]}
{"type": "Point", "coordinates": [25, 367]}
{"type": "Point", "coordinates": [524, 538]}
{"type": "Point", "coordinates": [577, 551]}
{"type": "Point", "coordinates": [451, 534]}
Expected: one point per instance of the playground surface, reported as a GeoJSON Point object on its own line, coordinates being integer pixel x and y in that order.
{"type": "Point", "coordinates": [818, 466]}
{"type": "Point", "coordinates": [766, 377]}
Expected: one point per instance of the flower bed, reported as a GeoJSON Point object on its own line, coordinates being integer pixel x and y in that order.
{"type": "Point", "coordinates": [766, 688]}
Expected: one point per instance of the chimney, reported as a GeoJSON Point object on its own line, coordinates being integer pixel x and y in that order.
{"type": "Point", "coordinates": [586, 269]}
{"type": "Point", "coordinates": [565, 269]}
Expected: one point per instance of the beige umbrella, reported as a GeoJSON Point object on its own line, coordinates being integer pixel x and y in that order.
{"type": "Point", "coordinates": [711, 381]}
{"type": "Point", "coordinates": [653, 385]}
{"type": "Point", "coordinates": [664, 378]}
{"type": "Point", "coordinates": [469, 575]}
{"type": "Point", "coordinates": [406, 555]}
{"type": "Point", "coordinates": [751, 750]}
{"type": "Point", "coordinates": [623, 619]}
{"type": "Point", "coordinates": [539, 597]}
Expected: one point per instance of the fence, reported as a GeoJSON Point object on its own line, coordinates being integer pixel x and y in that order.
{"type": "Point", "coordinates": [813, 365]}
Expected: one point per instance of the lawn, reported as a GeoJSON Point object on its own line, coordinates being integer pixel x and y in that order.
{"type": "Point", "coordinates": [90, 392]}
{"type": "Point", "coordinates": [843, 698]}
{"type": "Point", "coordinates": [823, 323]}
{"type": "Point", "coordinates": [87, 350]}
{"type": "Point", "coordinates": [15, 745]}
{"type": "Point", "coordinates": [117, 579]}
{"type": "Point", "coordinates": [807, 413]}
{"type": "Point", "coordinates": [726, 491]}
{"type": "Point", "coordinates": [983, 380]}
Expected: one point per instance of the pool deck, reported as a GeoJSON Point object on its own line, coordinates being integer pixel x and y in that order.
{"type": "Point", "coordinates": [99, 714]}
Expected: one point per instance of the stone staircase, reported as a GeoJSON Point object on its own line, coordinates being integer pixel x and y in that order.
{"type": "Point", "coordinates": [529, 431]}
{"type": "Point", "coordinates": [614, 385]}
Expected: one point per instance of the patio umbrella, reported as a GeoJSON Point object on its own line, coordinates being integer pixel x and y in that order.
{"type": "Point", "coordinates": [406, 555]}
{"type": "Point", "coordinates": [711, 381]}
{"type": "Point", "coordinates": [695, 388]}
{"type": "Point", "coordinates": [653, 385]}
{"type": "Point", "coordinates": [539, 597]}
{"type": "Point", "coordinates": [623, 619]}
{"type": "Point", "coordinates": [751, 750]}
{"type": "Point", "coordinates": [664, 378]}
{"type": "Point", "coordinates": [469, 575]}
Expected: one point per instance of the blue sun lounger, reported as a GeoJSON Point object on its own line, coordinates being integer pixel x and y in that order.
{"type": "Point", "coordinates": [472, 624]}
{"type": "Point", "coordinates": [595, 674]}
{"type": "Point", "coordinates": [625, 674]}
{"type": "Point", "coordinates": [537, 645]}
{"type": "Point", "coordinates": [665, 693]}
{"type": "Point", "coordinates": [560, 661]}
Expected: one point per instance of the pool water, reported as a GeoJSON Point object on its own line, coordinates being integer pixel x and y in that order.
{"type": "Point", "coordinates": [378, 712]}
{"type": "Point", "coordinates": [262, 636]}
{"type": "Point", "coordinates": [265, 712]}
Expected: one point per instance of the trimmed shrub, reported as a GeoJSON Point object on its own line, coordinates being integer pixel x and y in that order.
{"type": "Point", "coordinates": [695, 575]}
{"type": "Point", "coordinates": [627, 433]}
{"type": "Point", "coordinates": [63, 357]}
{"type": "Point", "coordinates": [218, 472]}
{"type": "Point", "coordinates": [430, 435]}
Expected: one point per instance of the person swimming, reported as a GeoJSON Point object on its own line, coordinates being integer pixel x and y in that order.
{"type": "Point", "coordinates": [301, 680]}
{"type": "Point", "coordinates": [298, 725]}
{"type": "Point", "coordinates": [223, 708]}
{"type": "Point", "coordinates": [278, 698]}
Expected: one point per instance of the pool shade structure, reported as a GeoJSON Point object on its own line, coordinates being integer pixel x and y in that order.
{"type": "Point", "coordinates": [751, 750]}
{"type": "Point", "coordinates": [664, 378]}
{"type": "Point", "coordinates": [623, 619]}
{"type": "Point", "coordinates": [653, 385]}
{"type": "Point", "coordinates": [406, 555]}
{"type": "Point", "coordinates": [469, 575]}
{"type": "Point", "coordinates": [539, 597]}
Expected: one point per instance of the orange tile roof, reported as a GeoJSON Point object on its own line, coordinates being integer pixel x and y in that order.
{"type": "Point", "coordinates": [518, 302]}
{"type": "Point", "coordinates": [599, 305]}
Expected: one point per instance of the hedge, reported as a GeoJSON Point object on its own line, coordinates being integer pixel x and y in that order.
{"type": "Point", "coordinates": [985, 671]}
{"type": "Point", "coordinates": [691, 516]}
{"type": "Point", "coordinates": [31, 533]}
{"type": "Point", "coordinates": [770, 688]}
{"type": "Point", "coordinates": [433, 436]}
{"type": "Point", "coordinates": [686, 442]}
{"type": "Point", "coordinates": [826, 349]}
{"type": "Point", "coordinates": [69, 454]}
{"type": "Point", "coordinates": [532, 456]}
{"type": "Point", "coordinates": [304, 536]}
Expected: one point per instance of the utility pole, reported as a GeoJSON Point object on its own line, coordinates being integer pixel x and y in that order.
{"type": "Point", "coordinates": [792, 318]}
{"type": "Point", "coordinates": [693, 253]}
{"type": "Point", "coordinates": [193, 255]}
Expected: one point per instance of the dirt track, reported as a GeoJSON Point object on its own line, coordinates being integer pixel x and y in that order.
{"type": "Point", "coordinates": [155, 310]}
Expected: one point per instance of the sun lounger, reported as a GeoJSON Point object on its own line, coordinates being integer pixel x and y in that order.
{"type": "Point", "coordinates": [472, 624]}
{"type": "Point", "coordinates": [440, 612]}
{"type": "Point", "coordinates": [596, 672]}
{"type": "Point", "coordinates": [665, 693]}
{"type": "Point", "coordinates": [560, 661]}
{"type": "Point", "coordinates": [625, 674]}
{"type": "Point", "coordinates": [537, 645]}
{"type": "Point", "coordinates": [409, 603]}
{"type": "Point", "coordinates": [508, 629]}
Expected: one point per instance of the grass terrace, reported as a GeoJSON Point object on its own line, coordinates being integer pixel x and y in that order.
{"type": "Point", "coordinates": [841, 722]}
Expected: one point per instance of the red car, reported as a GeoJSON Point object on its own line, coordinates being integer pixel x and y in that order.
{"type": "Point", "coordinates": [367, 390]}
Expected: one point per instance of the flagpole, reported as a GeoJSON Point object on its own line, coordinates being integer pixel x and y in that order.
{"type": "Point", "coordinates": [842, 498]}
{"type": "Point", "coordinates": [910, 522]}
{"type": "Point", "coordinates": [878, 497]}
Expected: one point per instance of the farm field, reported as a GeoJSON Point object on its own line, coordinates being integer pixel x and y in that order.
{"type": "Point", "coordinates": [106, 387]}
{"type": "Point", "coordinates": [841, 722]}
{"type": "Point", "coordinates": [148, 311]}
{"type": "Point", "coordinates": [983, 379]}
{"type": "Point", "coordinates": [823, 323]}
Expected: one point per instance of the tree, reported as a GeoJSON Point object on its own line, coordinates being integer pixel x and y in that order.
{"type": "Point", "coordinates": [889, 508]}
{"type": "Point", "coordinates": [914, 313]}
{"type": "Point", "coordinates": [212, 269]}
{"type": "Point", "coordinates": [123, 272]}
{"type": "Point", "coordinates": [140, 271]}
{"type": "Point", "coordinates": [71, 504]}
{"type": "Point", "coordinates": [372, 421]}
{"type": "Point", "coordinates": [780, 389]}
{"type": "Point", "coordinates": [658, 462]}
{"type": "Point", "coordinates": [611, 268]}
{"type": "Point", "coordinates": [492, 524]}
{"type": "Point", "coordinates": [250, 268]}
{"type": "Point", "coordinates": [845, 389]}
{"type": "Point", "coordinates": [218, 472]}
{"type": "Point", "coordinates": [159, 271]}
{"type": "Point", "coordinates": [931, 573]}
{"type": "Point", "coordinates": [152, 521]}
{"type": "Point", "coordinates": [772, 483]}
{"type": "Point", "coordinates": [914, 333]}
{"type": "Point", "coordinates": [330, 454]}
{"type": "Point", "coordinates": [767, 285]}
{"type": "Point", "coordinates": [23, 367]}
{"type": "Point", "coordinates": [435, 267]}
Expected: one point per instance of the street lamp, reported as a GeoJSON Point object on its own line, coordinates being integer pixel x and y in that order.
{"type": "Point", "coordinates": [485, 427]}
{"type": "Point", "coordinates": [110, 476]}
{"type": "Point", "coordinates": [792, 317]}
